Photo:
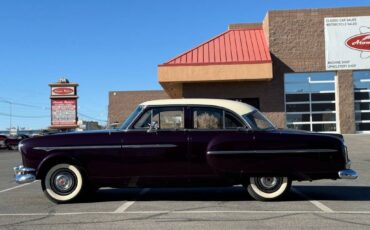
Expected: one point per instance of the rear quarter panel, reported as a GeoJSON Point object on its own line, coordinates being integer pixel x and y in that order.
{"type": "Point", "coordinates": [276, 153]}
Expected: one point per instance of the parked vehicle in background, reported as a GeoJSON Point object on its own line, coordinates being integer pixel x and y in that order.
{"type": "Point", "coordinates": [12, 141]}
{"type": "Point", "coordinates": [2, 141]}
{"type": "Point", "coordinates": [184, 142]}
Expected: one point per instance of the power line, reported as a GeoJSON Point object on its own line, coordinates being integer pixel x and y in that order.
{"type": "Point", "coordinates": [92, 118]}
{"type": "Point", "coordinates": [43, 107]}
{"type": "Point", "coordinates": [21, 116]}
{"type": "Point", "coordinates": [23, 104]}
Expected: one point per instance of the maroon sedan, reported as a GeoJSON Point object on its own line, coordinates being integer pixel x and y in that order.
{"type": "Point", "coordinates": [184, 142]}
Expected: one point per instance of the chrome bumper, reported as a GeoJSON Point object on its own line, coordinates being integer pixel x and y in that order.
{"type": "Point", "coordinates": [24, 175]}
{"type": "Point", "coordinates": [348, 174]}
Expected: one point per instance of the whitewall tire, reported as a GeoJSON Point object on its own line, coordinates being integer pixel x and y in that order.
{"type": "Point", "coordinates": [63, 183]}
{"type": "Point", "coordinates": [268, 188]}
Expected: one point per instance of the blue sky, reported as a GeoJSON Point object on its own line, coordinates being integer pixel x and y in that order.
{"type": "Point", "coordinates": [106, 46]}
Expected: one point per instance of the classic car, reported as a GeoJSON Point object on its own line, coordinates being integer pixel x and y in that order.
{"type": "Point", "coordinates": [2, 141]}
{"type": "Point", "coordinates": [184, 142]}
{"type": "Point", "coordinates": [12, 141]}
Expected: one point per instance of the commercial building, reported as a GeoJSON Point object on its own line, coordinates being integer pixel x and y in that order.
{"type": "Point", "coordinates": [305, 69]}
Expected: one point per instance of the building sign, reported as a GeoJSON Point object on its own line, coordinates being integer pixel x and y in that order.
{"type": "Point", "coordinates": [347, 43]}
{"type": "Point", "coordinates": [56, 91]}
{"type": "Point", "coordinates": [63, 112]}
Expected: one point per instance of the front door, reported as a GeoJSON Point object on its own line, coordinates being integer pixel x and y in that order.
{"type": "Point", "coordinates": [154, 156]}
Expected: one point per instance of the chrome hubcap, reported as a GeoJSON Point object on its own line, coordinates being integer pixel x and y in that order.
{"type": "Point", "coordinates": [268, 182]}
{"type": "Point", "coordinates": [63, 181]}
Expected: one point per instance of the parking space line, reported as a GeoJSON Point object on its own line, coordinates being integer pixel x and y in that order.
{"type": "Point", "coordinates": [318, 204]}
{"type": "Point", "coordinates": [126, 205]}
{"type": "Point", "coordinates": [15, 187]}
{"type": "Point", "coordinates": [183, 212]}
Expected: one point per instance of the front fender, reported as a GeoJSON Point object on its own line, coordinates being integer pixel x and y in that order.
{"type": "Point", "coordinates": [52, 159]}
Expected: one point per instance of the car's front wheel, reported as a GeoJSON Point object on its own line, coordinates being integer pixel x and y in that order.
{"type": "Point", "coordinates": [63, 183]}
{"type": "Point", "coordinates": [268, 188]}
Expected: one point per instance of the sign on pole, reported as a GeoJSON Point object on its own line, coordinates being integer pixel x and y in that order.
{"type": "Point", "coordinates": [63, 97]}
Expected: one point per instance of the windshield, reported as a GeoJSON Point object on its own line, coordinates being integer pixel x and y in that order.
{"type": "Point", "coordinates": [132, 116]}
{"type": "Point", "coordinates": [258, 121]}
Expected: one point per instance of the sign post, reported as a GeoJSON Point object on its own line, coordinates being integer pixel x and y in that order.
{"type": "Point", "coordinates": [63, 97]}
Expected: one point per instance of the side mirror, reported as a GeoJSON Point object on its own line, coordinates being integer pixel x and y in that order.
{"type": "Point", "coordinates": [245, 129]}
{"type": "Point", "coordinates": [153, 127]}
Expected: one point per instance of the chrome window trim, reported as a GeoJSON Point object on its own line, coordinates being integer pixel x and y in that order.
{"type": "Point", "coordinates": [130, 127]}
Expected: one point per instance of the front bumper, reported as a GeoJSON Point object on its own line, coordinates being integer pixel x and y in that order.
{"type": "Point", "coordinates": [24, 175]}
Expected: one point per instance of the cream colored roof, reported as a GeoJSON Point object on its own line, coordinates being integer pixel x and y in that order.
{"type": "Point", "coordinates": [236, 106]}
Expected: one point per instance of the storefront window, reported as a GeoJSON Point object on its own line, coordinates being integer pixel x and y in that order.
{"type": "Point", "coordinates": [310, 101]}
{"type": "Point", "coordinates": [361, 85]}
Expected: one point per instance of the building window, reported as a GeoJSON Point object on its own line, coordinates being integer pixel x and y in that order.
{"type": "Point", "coordinates": [310, 101]}
{"type": "Point", "coordinates": [361, 88]}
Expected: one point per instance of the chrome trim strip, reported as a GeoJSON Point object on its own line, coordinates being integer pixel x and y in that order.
{"type": "Point", "coordinates": [149, 146]}
{"type": "Point", "coordinates": [48, 149]}
{"type": "Point", "coordinates": [273, 151]}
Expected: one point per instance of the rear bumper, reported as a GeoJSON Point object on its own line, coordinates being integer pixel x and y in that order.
{"type": "Point", "coordinates": [348, 174]}
{"type": "Point", "coordinates": [24, 175]}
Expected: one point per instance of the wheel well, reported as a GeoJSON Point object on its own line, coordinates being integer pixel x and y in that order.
{"type": "Point", "coordinates": [50, 162]}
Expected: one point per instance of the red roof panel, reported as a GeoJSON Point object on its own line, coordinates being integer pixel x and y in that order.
{"type": "Point", "coordinates": [231, 47]}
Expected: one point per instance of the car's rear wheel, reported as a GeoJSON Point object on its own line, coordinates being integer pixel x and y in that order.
{"type": "Point", "coordinates": [268, 188]}
{"type": "Point", "coordinates": [63, 183]}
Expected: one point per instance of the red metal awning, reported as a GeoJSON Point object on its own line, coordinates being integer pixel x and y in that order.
{"type": "Point", "coordinates": [241, 46]}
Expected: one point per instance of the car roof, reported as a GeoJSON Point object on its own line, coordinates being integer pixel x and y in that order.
{"type": "Point", "coordinates": [235, 106]}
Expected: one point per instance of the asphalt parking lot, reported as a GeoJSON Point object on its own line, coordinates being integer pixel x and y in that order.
{"type": "Point", "coordinates": [326, 204]}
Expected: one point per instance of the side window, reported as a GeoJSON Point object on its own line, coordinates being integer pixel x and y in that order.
{"type": "Point", "coordinates": [231, 122]}
{"type": "Point", "coordinates": [144, 121]}
{"type": "Point", "coordinates": [167, 118]}
{"type": "Point", "coordinates": [207, 118]}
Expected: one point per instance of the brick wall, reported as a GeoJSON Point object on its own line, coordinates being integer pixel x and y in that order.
{"type": "Point", "coordinates": [122, 103]}
{"type": "Point", "coordinates": [297, 44]}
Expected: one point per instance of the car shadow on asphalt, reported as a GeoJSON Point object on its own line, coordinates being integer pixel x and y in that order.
{"type": "Point", "coordinates": [335, 193]}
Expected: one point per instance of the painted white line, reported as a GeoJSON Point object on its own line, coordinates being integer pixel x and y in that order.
{"type": "Point", "coordinates": [318, 204]}
{"type": "Point", "coordinates": [183, 212]}
{"type": "Point", "coordinates": [126, 205]}
{"type": "Point", "coordinates": [15, 187]}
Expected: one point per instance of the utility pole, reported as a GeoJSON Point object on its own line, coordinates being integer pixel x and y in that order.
{"type": "Point", "coordinates": [10, 117]}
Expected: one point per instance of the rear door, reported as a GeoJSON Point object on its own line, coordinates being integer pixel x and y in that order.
{"type": "Point", "coordinates": [211, 127]}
